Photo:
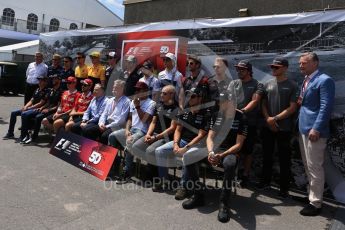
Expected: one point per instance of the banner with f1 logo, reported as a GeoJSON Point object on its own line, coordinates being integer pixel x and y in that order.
{"type": "Point", "coordinates": [88, 155]}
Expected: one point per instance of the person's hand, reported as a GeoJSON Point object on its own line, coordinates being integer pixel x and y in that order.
{"type": "Point", "coordinates": [56, 116]}
{"type": "Point", "coordinates": [45, 111]}
{"type": "Point", "coordinates": [181, 151]}
{"type": "Point", "coordinates": [176, 148]}
{"type": "Point", "coordinates": [83, 124]}
{"type": "Point", "coordinates": [147, 138]}
{"type": "Point", "coordinates": [136, 102]}
{"type": "Point", "coordinates": [272, 124]}
{"type": "Point", "coordinates": [313, 135]}
{"type": "Point", "coordinates": [129, 139]}
{"type": "Point", "coordinates": [102, 128]}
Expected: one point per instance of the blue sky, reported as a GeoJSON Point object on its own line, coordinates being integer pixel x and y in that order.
{"type": "Point", "coordinates": [115, 6]}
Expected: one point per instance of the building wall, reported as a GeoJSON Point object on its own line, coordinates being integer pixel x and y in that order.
{"type": "Point", "coordinates": [137, 11]}
{"type": "Point", "coordinates": [80, 12]}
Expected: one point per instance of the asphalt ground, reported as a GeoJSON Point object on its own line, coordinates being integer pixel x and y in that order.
{"type": "Point", "coordinates": [40, 191]}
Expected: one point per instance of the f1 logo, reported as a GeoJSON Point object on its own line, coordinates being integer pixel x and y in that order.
{"type": "Point", "coordinates": [62, 144]}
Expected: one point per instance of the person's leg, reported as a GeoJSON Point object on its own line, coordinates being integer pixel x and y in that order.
{"type": "Point", "coordinates": [69, 126]}
{"type": "Point", "coordinates": [58, 124]}
{"type": "Point", "coordinates": [229, 164]}
{"type": "Point", "coordinates": [27, 117]}
{"type": "Point", "coordinates": [91, 131]}
{"type": "Point", "coordinates": [284, 153]}
{"type": "Point", "coordinates": [150, 151]}
{"type": "Point", "coordinates": [247, 150]}
{"type": "Point", "coordinates": [37, 124]}
{"type": "Point", "coordinates": [136, 135]}
{"type": "Point", "coordinates": [268, 150]}
{"type": "Point", "coordinates": [13, 121]}
{"type": "Point", "coordinates": [162, 154]}
{"type": "Point", "coordinates": [76, 128]}
{"type": "Point", "coordinates": [105, 135]}
{"type": "Point", "coordinates": [139, 148]}
{"type": "Point", "coordinates": [117, 139]}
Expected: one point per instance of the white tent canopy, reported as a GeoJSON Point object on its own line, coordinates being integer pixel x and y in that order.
{"type": "Point", "coordinates": [23, 48]}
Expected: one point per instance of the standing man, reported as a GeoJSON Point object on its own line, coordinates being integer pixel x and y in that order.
{"type": "Point", "coordinates": [112, 73]}
{"type": "Point", "coordinates": [170, 75]}
{"type": "Point", "coordinates": [81, 70]}
{"type": "Point", "coordinates": [35, 69]}
{"type": "Point", "coordinates": [278, 107]}
{"type": "Point", "coordinates": [197, 78]}
{"type": "Point", "coordinates": [316, 99]}
{"type": "Point", "coordinates": [54, 68]}
{"type": "Point", "coordinates": [252, 92]}
{"type": "Point", "coordinates": [97, 70]}
{"type": "Point", "coordinates": [150, 80]}
{"type": "Point", "coordinates": [67, 71]}
{"type": "Point", "coordinates": [132, 75]}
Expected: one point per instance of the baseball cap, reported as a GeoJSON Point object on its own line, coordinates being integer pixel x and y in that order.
{"type": "Point", "coordinates": [148, 64]}
{"type": "Point", "coordinates": [244, 64]}
{"type": "Point", "coordinates": [280, 61]}
{"type": "Point", "coordinates": [171, 56]}
{"type": "Point", "coordinates": [141, 85]}
{"type": "Point", "coordinates": [131, 58]}
{"type": "Point", "coordinates": [71, 79]}
{"type": "Point", "coordinates": [111, 54]}
{"type": "Point", "coordinates": [86, 82]}
{"type": "Point", "coordinates": [95, 54]}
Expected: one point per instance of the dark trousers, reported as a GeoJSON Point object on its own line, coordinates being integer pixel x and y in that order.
{"type": "Point", "coordinates": [29, 92]}
{"type": "Point", "coordinates": [13, 120]}
{"type": "Point", "coordinates": [37, 122]}
{"type": "Point", "coordinates": [229, 163]}
{"type": "Point", "coordinates": [282, 138]}
{"type": "Point", "coordinates": [27, 121]}
{"type": "Point", "coordinates": [93, 132]}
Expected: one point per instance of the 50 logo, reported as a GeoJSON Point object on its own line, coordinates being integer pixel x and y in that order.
{"type": "Point", "coordinates": [95, 157]}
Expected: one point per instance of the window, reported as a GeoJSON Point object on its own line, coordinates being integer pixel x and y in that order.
{"type": "Point", "coordinates": [54, 25]}
{"type": "Point", "coordinates": [32, 22]}
{"type": "Point", "coordinates": [73, 26]}
{"type": "Point", "coordinates": [8, 17]}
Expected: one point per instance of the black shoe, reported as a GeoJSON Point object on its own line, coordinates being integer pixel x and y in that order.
{"type": "Point", "coordinates": [224, 213]}
{"type": "Point", "coordinates": [310, 210]}
{"type": "Point", "coordinates": [22, 141]}
{"type": "Point", "coordinates": [283, 194]}
{"type": "Point", "coordinates": [262, 186]}
{"type": "Point", "coordinates": [195, 201]}
{"type": "Point", "coordinates": [8, 136]}
{"type": "Point", "coordinates": [123, 178]}
{"type": "Point", "coordinates": [181, 193]}
{"type": "Point", "coordinates": [28, 141]}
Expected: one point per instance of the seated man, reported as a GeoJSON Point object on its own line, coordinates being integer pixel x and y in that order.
{"type": "Point", "coordinates": [223, 145]}
{"type": "Point", "coordinates": [81, 105]}
{"type": "Point", "coordinates": [114, 116]}
{"type": "Point", "coordinates": [49, 108]}
{"type": "Point", "coordinates": [192, 127]}
{"type": "Point", "coordinates": [92, 114]}
{"type": "Point", "coordinates": [161, 128]}
{"type": "Point", "coordinates": [61, 116]}
{"type": "Point", "coordinates": [37, 100]}
{"type": "Point", "coordinates": [140, 116]}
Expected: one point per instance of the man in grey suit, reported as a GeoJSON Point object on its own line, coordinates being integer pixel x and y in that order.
{"type": "Point", "coordinates": [316, 100]}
